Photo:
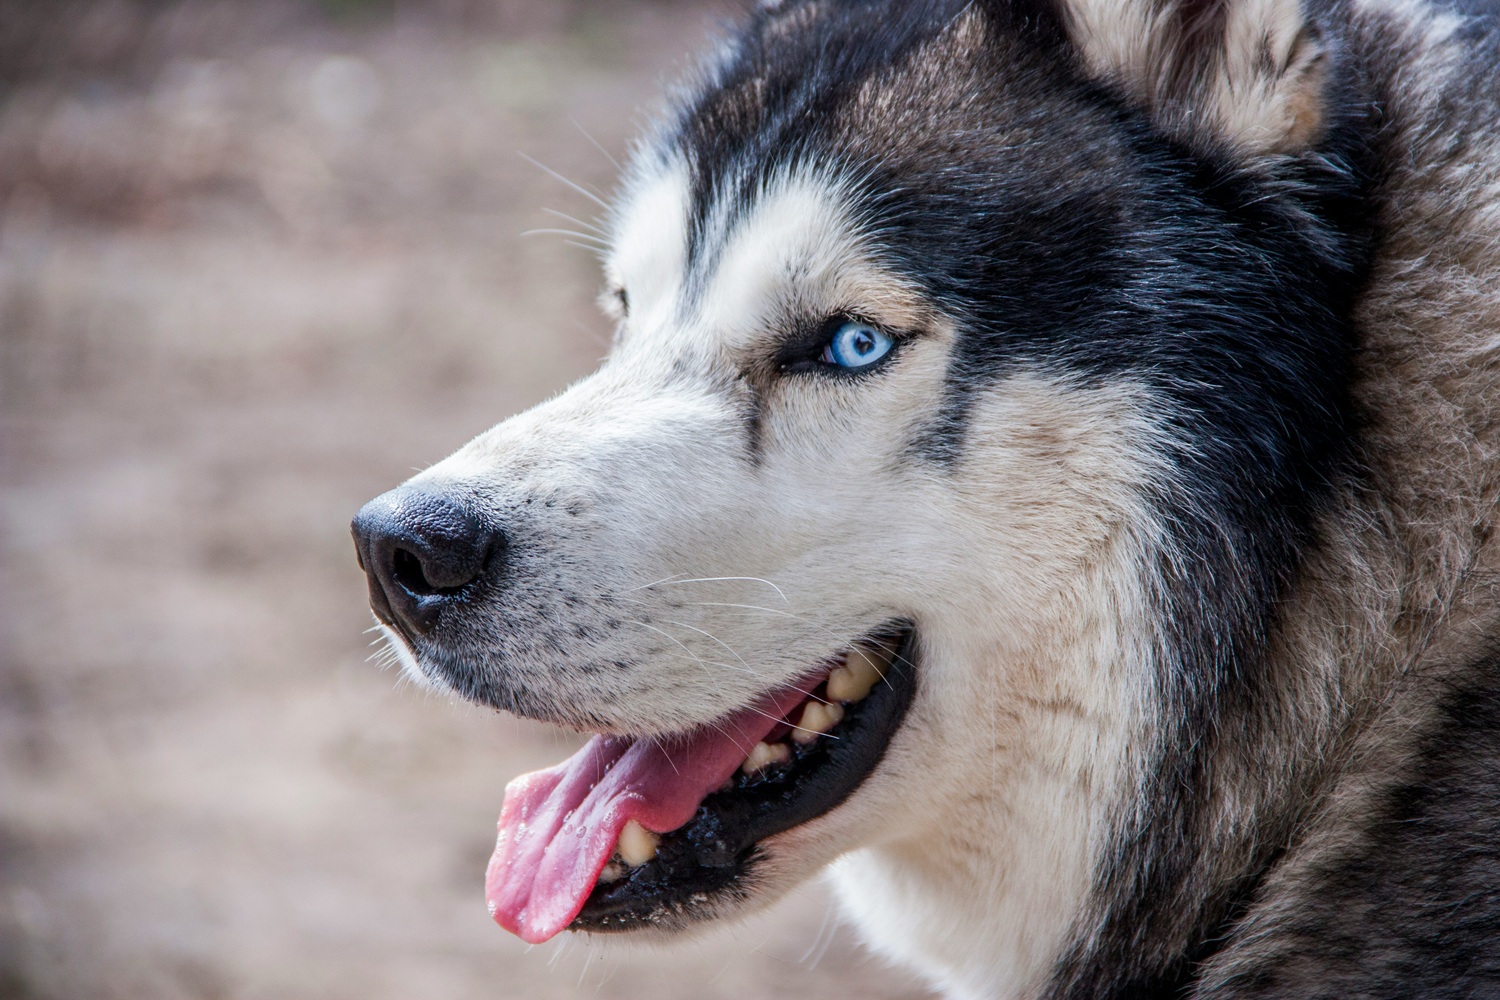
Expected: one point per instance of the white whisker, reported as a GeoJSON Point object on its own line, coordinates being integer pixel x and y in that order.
{"type": "Point", "coordinates": [565, 232]}
{"type": "Point", "coordinates": [648, 586]}
{"type": "Point", "coordinates": [715, 638]}
{"type": "Point", "coordinates": [577, 222]}
{"type": "Point", "coordinates": [670, 637]}
{"type": "Point", "coordinates": [662, 747]}
{"type": "Point", "coordinates": [843, 641]}
{"type": "Point", "coordinates": [591, 196]}
{"type": "Point", "coordinates": [607, 155]}
{"type": "Point", "coordinates": [701, 662]}
{"type": "Point", "coordinates": [720, 579]}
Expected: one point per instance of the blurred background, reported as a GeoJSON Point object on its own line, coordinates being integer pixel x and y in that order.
{"type": "Point", "coordinates": [259, 259]}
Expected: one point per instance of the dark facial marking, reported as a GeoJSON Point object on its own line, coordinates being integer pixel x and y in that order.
{"type": "Point", "coordinates": [1065, 234]}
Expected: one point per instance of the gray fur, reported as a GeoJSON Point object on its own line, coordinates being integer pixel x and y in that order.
{"type": "Point", "coordinates": [1292, 255]}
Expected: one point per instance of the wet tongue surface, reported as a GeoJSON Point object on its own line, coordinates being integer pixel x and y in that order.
{"type": "Point", "coordinates": [558, 827]}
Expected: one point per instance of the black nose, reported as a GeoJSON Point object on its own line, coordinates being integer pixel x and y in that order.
{"type": "Point", "coordinates": [420, 550]}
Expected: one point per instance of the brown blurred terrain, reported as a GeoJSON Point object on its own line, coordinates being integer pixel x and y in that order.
{"type": "Point", "coordinates": [257, 261]}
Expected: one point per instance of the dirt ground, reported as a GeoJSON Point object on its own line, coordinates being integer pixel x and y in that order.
{"type": "Point", "coordinates": [257, 261]}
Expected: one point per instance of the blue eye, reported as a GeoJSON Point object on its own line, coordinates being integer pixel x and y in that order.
{"type": "Point", "coordinates": [855, 345]}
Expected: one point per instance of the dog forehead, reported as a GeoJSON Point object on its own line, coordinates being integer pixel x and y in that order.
{"type": "Point", "coordinates": [782, 256]}
{"type": "Point", "coordinates": [830, 84]}
{"type": "Point", "coordinates": [760, 258]}
{"type": "Point", "coordinates": [810, 175]}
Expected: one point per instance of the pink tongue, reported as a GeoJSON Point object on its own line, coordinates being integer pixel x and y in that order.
{"type": "Point", "coordinates": [558, 827]}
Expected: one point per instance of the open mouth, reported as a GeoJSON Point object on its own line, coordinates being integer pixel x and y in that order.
{"type": "Point", "coordinates": [629, 833]}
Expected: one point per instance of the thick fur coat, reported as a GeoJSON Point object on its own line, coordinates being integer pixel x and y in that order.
{"type": "Point", "coordinates": [1181, 473]}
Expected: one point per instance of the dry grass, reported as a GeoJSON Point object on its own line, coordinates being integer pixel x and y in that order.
{"type": "Point", "coordinates": [257, 260]}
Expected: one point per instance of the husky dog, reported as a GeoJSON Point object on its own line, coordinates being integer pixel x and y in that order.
{"type": "Point", "coordinates": [1047, 469]}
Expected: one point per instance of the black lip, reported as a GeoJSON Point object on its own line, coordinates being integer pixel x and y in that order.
{"type": "Point", "coordinates": [710, 858]}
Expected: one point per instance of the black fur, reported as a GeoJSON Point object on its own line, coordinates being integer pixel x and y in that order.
{"type": "Point", "coordinates": [1070, 233]}
{"type": "Point", "coordinates": [1066, 233]}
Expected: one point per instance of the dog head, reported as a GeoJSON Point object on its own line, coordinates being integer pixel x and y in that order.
{"type": "Point", "coordinates": [952, 339]}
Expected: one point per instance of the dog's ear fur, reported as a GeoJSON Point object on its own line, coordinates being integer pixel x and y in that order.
{"type": "Point", "coordinates": [1246, 74]}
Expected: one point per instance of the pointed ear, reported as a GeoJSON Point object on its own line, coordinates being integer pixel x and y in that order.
{"type": "Point", "coordinates": [1248, 74]}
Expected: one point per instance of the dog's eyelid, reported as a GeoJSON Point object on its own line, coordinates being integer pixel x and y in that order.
{"type": "Point", "coordinates": [818, 334]}
{"type": "Point", "coordinates": [800, 353]}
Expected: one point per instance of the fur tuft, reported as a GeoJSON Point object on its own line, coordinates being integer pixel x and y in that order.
{"type": "Point", "coordinates": [1249, 74]}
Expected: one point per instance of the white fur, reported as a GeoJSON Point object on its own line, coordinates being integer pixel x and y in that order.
{"type": "Point", "coordinates": [977, 835]}
{"type": "Point", "coordinates": [969, 852]}
{"type": "Point", "coordinates": [650, 245]}
{"type": "Point", "coordinates": [1039, 693]}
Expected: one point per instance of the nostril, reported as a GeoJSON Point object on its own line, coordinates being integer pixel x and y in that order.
{"type": "Point", "coordinates": [407, 569]}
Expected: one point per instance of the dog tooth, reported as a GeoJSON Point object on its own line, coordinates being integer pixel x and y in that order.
{"type": "Point", "coordinates": [861, 671]}
{"type": "Point", "coordinates": [612, 872]}
{"type": "Point", "coordinates": [817, 719]}
{"type": "Point", "coordinates": [637, 844]}
{"type": "Point", "coordinates": [763, 755]}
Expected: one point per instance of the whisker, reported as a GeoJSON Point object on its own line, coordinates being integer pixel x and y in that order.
{"type": "Point", "coordinates": [820, 735]}
{"type": "Point", "coordinates": [671, 638]}
{"type": "Point", "coordinates": [747, 669]}
{"type": "Point", "coordinates": [721, 579]}
{"type": "Point", "coordinates": [776, 611]}
{"type": "Point", "coordinates": [591, 196]}
{"type": "Point", "coordinates": [763, 714]}
{"type": "Point", "coordinates": [647, 586]}
{"type": "Point", "coordinates": [737, 744]}
{"type": "Point", "coordinates": [576, 221]}
{"type": "Point", "coordinates": [563, 232]}
{"type": "Point", "coordinates": [715, 638]}
{"type": "Point", "coordinates": [662, 747]}
{"type": "Point", "coordinates": [614, 162]}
